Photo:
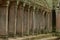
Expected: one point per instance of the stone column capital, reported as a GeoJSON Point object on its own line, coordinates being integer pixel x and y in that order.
{"type": "Point", "coordinates": [12, 0]}
{"type": "Point", "coordinates": [24, 4]}
{"type": "Point", "coordinates": [34, 8]}
{"type": "Point", "coordinates": [12, 3]}
{"type": "Point", "coordinates": [44, 12]}
{"type": "Point", "coordinates": [4, 3]}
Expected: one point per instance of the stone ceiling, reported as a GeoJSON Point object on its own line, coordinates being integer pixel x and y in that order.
{"type": "Point", "coordinates": [45, 3]}
{"type": "Point", "coordinates": [50, 3]}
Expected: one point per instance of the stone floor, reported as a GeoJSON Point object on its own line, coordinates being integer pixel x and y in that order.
{"type": "Point", "coordinates": [50, 38]}
{"type": "Point", "coordinates": [35, 37]}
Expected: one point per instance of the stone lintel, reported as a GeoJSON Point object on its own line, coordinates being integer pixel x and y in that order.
{"type": "Point", "coordinates": [13, 0]}
{"type": "Point", "coordinates": [4, 3]}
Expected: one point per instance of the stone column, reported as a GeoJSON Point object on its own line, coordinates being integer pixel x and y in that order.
{"type": "Point", "coordinates": [43, 21]}
{"type": "Point", "coordinates": [23, 27]}
{"type": "Point", "coordinates": [49, 22]}
{"type": "Point", "coordinates": [28, 19]}
{"type": "Point", "coordinates": [25, 20]}
{"type": "Point", "coordinates": [20, 11]}
{"type": "Point", "coordinates": [12, 18]}
{"type": "Point", "coordinates": [34, 20]}
{"type": "Point", "coordinates": [31, 20]}
{"type": "Point", "coordinates": [4, 19]}
{"type": "Point", "coordinates": [39, 18]}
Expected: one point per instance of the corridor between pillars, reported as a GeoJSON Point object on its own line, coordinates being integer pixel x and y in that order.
{"type": "Point", "coordinates": [20, 18]}
{"type": "Point", "coordinates": [12, 18]}
{"type": "Point", "coordinates": [31, 20]}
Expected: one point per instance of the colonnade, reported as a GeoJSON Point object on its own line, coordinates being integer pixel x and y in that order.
{"type": "Point", "coordinates": [24, 19]}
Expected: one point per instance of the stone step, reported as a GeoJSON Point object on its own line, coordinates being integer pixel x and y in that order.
{"type": "Point", "coordinates": [31, 37]}
{"type": "Point", "coordinates": [48, 38]}
{"type": "Point", "coordinates": [35, 37]}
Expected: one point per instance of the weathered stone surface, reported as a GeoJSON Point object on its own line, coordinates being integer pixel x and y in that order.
{"type": "Point", "coordinates": [3, 18]}
{"type": "Point", "coordinates": [58, 20]}
{"type": "Point", "coordinates": [12, 17]}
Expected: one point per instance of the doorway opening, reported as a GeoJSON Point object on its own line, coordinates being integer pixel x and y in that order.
{"type": "Point", "coordinates": [53, 21]}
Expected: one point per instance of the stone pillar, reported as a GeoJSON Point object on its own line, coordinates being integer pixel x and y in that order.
{"type": "Point", "coordinates": [20, 11]}
{"type": "Point", "coordinates": [31, 20]}
{"type": "Point", "coordinates": [25, 20]}
{"type": "Point", "coordinates": [37, 20]}
{"type": "Point", "coordinates": [34, 22]}
{"type": "Point", "coordinates": [43, 21]}
{"type": "Point", "coordinates": [39, 12]}
{"type": "Point", "coordinates": [12, 18]}
{"type": "Point", "coordinates": [48, 28]}
{"type": "Point", "coordinates": [58, 20]}
{"type": "Point", "coordinates": [46, 23]}
{"type": "Point", "coordinates": [4, 19]}
{"type": "Point", "coordinates": [49, 22]}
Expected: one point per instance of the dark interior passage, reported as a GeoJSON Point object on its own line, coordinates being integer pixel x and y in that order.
{"type": "Point", "coordinates": [53, 21]}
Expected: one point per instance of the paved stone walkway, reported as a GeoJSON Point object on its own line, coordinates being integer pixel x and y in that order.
{"type": "Point", "coordinates": [48, 38]}
{"type": "Point", "coordinates": [36, 37]}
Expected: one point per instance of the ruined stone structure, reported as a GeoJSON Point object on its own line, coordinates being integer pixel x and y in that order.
{"type": "Point", "coordinates": [23, 18]}
{"type": "Point", "coordinates": [58, 17]}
